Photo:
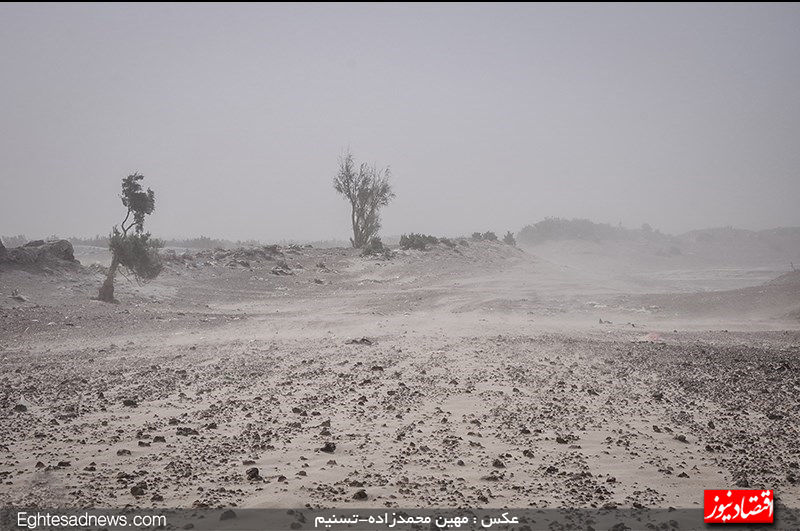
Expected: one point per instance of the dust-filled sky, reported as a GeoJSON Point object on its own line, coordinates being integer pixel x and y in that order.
{"type": "Point", "coordinates": [490, 116]}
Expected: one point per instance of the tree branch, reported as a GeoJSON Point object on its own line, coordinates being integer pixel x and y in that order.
{"type": "Point", "coordinates": [124, 228]}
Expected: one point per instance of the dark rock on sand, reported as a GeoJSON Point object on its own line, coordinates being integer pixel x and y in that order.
{"type": "Point", "coordinates": [328, 448]}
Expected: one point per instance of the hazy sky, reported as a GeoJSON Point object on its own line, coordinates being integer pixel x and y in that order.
{"type": "Point", "coordinates": [490, 116]}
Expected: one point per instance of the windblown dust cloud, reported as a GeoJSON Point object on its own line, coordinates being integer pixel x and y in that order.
{"type": "Point", "coordinates": [480, 375]}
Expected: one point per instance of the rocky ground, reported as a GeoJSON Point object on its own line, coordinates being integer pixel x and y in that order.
{"type": "Point", "coordinates": [478, 376]}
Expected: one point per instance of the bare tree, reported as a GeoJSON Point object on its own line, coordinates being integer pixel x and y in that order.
{"type": "Point", "coordinates": [368, 190]}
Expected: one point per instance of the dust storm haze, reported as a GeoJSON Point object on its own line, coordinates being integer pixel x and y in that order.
{"type": "Point", "coordinates": [683, 117]}
{"type": "Point", "coordinates": [532, 260]}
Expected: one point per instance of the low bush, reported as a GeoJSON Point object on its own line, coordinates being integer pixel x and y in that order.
{"type": "Point", "coordinates": [486, 236]}
{"type": "Point", "coordinates": [417, 241]}
{"type": "Point", "coordinates": [375, 247]}
{"type": "Point", "coordinates": [448, 242]}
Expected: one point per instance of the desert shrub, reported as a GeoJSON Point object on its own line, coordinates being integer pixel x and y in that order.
{"type": "Point", "coordinates": [487, 236]}
{"type": "Point", "coordinates": [137, 252]}
{"type": "Point", "coordinates": [448, 242]}
{"type": "Point", "coordinates": [509, 239]}
{"type": "Point", "coordinates": [375, 247]}
{"type": "Point", "coordinates": [421, 242]}
{"type": "Point", "coordinates": [417, 241]}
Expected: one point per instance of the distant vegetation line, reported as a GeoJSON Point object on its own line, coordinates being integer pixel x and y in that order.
{"type": "Point", "coordinates": [548, 229]}
{"type": "Point", "coordinates": [201, 242]}
{"type": "Point", "coordinates": [583, 229]}
{"type": "Point", "coordinates": [554, 229]}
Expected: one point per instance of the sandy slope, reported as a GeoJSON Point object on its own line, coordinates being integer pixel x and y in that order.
{"type": "Point", "coordinates": [487, 380]}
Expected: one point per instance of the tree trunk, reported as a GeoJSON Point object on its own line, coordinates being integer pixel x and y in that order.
{"type": "Point", "coordinates": [356, 240]}
{"type": "Point", "coordinates": [106, 293]}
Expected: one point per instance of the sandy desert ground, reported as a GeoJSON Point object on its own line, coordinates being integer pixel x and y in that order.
{"type": "Point", "coordinates": [485, 376]}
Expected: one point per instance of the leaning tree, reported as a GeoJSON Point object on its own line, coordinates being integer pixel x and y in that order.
{"type": "Point", "coordinates": [367, 189]}
{"type": "Point", "coordinates": [131, 247]}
